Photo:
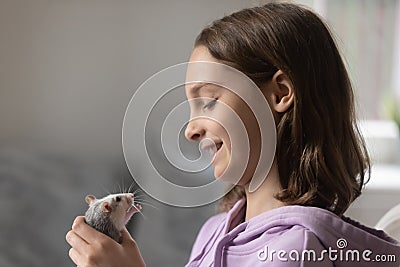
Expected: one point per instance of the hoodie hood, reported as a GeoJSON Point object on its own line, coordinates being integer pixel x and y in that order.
{"type": "Point", "coordinates": [307, 235]}
{"type": "Point", "coordinates": [347, 242]}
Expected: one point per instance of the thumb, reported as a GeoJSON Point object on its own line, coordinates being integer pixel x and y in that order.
{"type": "Point", "coordinates": [128, 244]}
{"type": "Point", "coordinates": [126, 238]}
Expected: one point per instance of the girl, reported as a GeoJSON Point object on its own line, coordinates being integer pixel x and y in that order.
{"type": "Point", "coordinates": [295, 218]}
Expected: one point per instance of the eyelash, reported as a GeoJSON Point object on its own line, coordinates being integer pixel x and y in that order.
{"type": "Point", "coordinates": [210, 104]}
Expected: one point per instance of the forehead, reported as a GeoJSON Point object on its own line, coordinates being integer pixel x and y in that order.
{"type": "Point", "coordinates": [199, 53]}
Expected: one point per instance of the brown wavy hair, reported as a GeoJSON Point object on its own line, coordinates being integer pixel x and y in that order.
{"type": "Point", "coordinates": [321, 155]}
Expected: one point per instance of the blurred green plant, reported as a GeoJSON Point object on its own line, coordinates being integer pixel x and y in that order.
{"type": "Point", "coordinates": [392, 108]}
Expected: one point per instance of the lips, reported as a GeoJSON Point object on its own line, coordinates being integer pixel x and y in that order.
{"type": "Point", "coordinates": [218, 145]}
{"type": "Point", "coordinates": [211, 147]}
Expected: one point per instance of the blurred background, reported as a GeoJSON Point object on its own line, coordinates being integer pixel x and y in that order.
{"type": "Point", "coordinates": [67, 72]}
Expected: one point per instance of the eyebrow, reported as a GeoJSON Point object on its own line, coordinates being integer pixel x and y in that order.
{"type": "Point", "coordinates": [198, 86]}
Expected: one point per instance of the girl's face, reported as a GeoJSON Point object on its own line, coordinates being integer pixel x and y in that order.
{"type": "Point", "coordinates": [211, 98]}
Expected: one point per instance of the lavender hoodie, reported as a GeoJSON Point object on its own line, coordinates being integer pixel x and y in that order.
{"type": "Point", "coordinates": [291, 236]}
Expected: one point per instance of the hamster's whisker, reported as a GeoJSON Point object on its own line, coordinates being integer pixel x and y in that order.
{"type": "Point", "coordinates": [105, 189]}
{"type": "Point", "coordinates": [130, 188]}
{"type": "Point", "coordinates": [138, 190]}
{"type": "Point", "coordinates": [146, 204]}
{"type": "Point", "coordinates": [130, 207]}
{"type": "Point", "coordinates": [137, 209]}
{"type": "Point", "coordinates": [125, 187]}
{"type": "Point", "coordinates": [115, 188]}
{"type": "Point", "coordinates": [139, 196]}
{"type": "Point", "coordinates": [143, 200]}
{"type": "Point", "coordinates": [141, 213]}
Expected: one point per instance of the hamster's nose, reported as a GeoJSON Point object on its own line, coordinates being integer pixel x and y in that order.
{"type": "Point", "coordinates": [194, 131]}
{"type": "Point", "coordinates": [129, 199]}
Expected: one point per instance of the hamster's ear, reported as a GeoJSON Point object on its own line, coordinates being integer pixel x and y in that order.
{"type": "Point", "coordinates": [89, 199]}
{"type": "Point", "coordinates": [106, 207]}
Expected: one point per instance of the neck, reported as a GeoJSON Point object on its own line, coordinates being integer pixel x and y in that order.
{"type": "Point", "coordinates": [263, 199]}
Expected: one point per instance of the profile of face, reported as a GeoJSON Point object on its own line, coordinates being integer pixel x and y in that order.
{"type": "Point", "coordinates": [213, 135]}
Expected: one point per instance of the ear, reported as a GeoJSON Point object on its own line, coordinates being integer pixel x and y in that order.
{"type": "Point", "coordinates": [89, 199]}
{"type": "Point", "coordinates": [106, 207]}
{"type": "Point", "coordinates": [280, 92]}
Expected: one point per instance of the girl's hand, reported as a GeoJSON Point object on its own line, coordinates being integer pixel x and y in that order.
{"type": "Point", "coordinates": [92, 248]}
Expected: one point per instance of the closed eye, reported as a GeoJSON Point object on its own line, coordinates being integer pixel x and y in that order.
{"type": "Point", "coordinates": [210, 104]}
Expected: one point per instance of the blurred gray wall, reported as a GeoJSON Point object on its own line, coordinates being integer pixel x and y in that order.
{"type": "Point", "coordinates": [68, 69]}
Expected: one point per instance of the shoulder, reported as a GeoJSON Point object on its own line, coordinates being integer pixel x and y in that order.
{"type": "Point", "coordinates": [207, 231]}
{"type": "Point", "coordinates": [210, 227]}
{"type": "Point", "coordinates": [214, 220]}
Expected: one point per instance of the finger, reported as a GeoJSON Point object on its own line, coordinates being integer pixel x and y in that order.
{"type": "Point", "coordinates": [126, 236]}
{"type": "Point", "coordinates": [74, 256]}
{"type": "Point", "coordinates": [127, 240]}
{"type": "Point", "coordinates": [76, 241]}
{"type": "Point", "coordinates": [78, 220]}
{"type": "Point", "coordinates": [85, 231]}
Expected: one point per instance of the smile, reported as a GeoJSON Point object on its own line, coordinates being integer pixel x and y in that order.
{"type": "Point", "coordinates": [218, 146]}
{"type": "Point", "coordinates": [212, 148]}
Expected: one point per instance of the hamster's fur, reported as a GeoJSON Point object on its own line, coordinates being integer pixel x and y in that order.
{"type": "Point", "coordinates": [110, 214]}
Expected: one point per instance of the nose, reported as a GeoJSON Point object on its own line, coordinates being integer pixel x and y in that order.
{"type": "Point", "coordinates": [194, 131]}
{"type": "Point", "coordinates": [129, 198]}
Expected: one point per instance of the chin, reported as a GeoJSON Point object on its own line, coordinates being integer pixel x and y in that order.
{"type": "Point", "coordinates": [220, 173]}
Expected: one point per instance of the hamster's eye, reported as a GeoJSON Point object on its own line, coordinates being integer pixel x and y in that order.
{"type": "Point", "coordinates": [118, 199]}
